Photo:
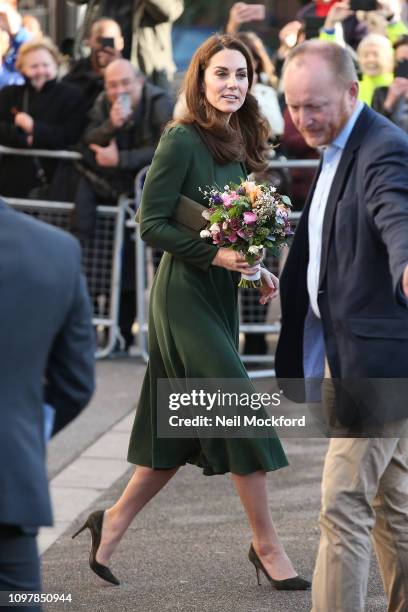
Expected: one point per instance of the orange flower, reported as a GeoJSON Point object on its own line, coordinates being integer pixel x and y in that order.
{"type": "Point", "coordinates": [254, 195]}
{"type": "Point", "coordinates": [249, 186]}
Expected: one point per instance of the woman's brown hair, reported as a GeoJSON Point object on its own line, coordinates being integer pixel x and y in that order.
{"type": "Point", "coordinates": [244, 138]}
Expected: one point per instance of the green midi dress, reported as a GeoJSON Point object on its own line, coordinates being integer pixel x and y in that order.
{"type": "Point", "coordinates": [193, 316]}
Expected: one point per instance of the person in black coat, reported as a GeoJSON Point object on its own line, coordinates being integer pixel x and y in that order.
{"type": "Point", "coordinates": [47, 355]}
{"type": "Point", "coordinates": [126, 122]}
{"type": "Point", "coordinates": [42, 114]}
{"type": "Point", "coordinates": [146, 26]}
{"type": "Point", "coordinates": [87, 72]}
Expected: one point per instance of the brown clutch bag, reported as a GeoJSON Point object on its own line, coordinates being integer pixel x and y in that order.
{"type": "Point", "coordinates": [187, 216]}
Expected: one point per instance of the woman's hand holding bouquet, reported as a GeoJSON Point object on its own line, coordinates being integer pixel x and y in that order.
{"type": "Point", "coordinates": [244, 220]}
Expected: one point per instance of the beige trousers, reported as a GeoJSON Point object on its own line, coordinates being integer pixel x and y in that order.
{"type": "Point", "coordinates": [364, 497]}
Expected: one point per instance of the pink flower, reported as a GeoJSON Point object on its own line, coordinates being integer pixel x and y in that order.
{"type": "Point", "coordinates": [245, 234]}
{"type": "Point", "coordinates": [233, 237]}
{"type": "Point", "coordinates": [226, 200]}
{"type": "Point", "coordinates": [250, 217]}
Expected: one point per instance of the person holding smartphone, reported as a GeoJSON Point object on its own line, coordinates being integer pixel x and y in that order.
{"type": "Point", "coordinates": [369, 16]}
{"type": "Point", "coordinates": [106, 44]}
{"type": "Point", "coordinates": [353, 30]}
{"type": "Point", "coordinates": [125, 126]}
{"type": "Point", "coordinates": [146, 27]}
{"type": "Point", "coordinates": [241, 13]}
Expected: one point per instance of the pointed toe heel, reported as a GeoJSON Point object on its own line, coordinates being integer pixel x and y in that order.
{"type": "Point", "coordinates": [94, 524]}
{"type": "Point", "coordinates": [290, 584]}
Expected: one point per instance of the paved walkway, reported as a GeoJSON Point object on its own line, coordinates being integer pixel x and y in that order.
{"type": "Point", "coordinates": [188, 550]}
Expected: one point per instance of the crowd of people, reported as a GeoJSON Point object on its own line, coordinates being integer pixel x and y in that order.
{"type": "Point", "coordinates": [344, 287]}
{"type": "Point", "coordinates": [52, 102]}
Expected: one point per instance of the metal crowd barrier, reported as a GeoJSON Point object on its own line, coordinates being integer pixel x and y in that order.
{"type": "Point", "coordinates": [254, 318]}
{"type": "Point", "coordinates": [101, 255]}
{"type": "Point", "coordinates": [102, 260]}
{"type": "Point", "coordinates": [40, 153]}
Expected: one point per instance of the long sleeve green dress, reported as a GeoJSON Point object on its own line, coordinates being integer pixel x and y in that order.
{"type": "Point", "coordinates": [193, 318]}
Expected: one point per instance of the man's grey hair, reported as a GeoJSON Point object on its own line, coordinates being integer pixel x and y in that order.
{"type": "Point", "coordinates": [337, 57]}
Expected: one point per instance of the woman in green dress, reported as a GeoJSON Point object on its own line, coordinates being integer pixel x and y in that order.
{"type": "Point", "coordinates": [193, 321]}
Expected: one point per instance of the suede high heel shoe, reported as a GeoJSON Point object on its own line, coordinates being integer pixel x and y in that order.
{"type": "Point", "coordinates": [289, 584]}
{"type": "Point", "coordinates": [94, 524]}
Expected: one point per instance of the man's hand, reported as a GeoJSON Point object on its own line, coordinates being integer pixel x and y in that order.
{"type": "Point", "coordinates": [107, 157]}
{"type": "Point", "coordinates": [288, 37]}
{"type": "Point", "coordinates": [405, 282]}
{"type": "Point", "coordinates": [270, 286]}
{"type": "Point", "coordinates": [338, 12]}
{"type": "Point", "coordinates": [117, 115]}
{"type": "Point", "coordinates": [398, 88]}
{"type": "Point", "coordinates": [25, 122]}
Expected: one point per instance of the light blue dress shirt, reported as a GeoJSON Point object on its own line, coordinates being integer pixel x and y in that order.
{"type": "Point", "coordinates": [313, 341]}
{"type": "Point", "coordinates": [331, 159]}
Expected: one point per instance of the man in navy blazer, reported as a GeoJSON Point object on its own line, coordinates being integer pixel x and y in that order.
{"type": "Point", "coordinates": [344, 294]}
{"type": "Point", "coordinates": [46, 357]}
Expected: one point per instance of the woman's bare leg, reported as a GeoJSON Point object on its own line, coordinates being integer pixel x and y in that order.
{"type": "Point", "coordinates": [253, 493]}
{"type": "Point", "coordinates": [143, 485]}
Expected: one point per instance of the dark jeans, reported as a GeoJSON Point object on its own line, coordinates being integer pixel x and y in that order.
{"type": "Point", "coordinates": [19, 563]}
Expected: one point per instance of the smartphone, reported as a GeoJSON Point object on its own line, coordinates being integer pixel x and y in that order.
{"type": "Point", "coordinates": [323, 7]}
{"type": "Point", "coordinates": [105, 41]}
{"type": "Point", "coordinates": [313, 26]}
{"type": "Point", "coordinates": [401, 69]}
{"type": "Point", "coordinates": [258, 12]}
{"type": "Point", "coordinates": [363, 5]}
{"type": "Point", "coordinates": [125, 102]}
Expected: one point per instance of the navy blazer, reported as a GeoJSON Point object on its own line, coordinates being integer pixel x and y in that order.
{"type": "Point", "coordinates": [364, 253]}
{"type": "Point", "coordinates": [46, 355]}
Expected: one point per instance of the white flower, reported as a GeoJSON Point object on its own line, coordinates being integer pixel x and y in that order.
{"type": "Point", "coordinates": [272, 189]}
{"type": "Point", "coordinates": [255, 249]}
{"type": "Point", "coordinates": [226, 188]}
{"type": "Point", "coordinates": [206, 214]}
{"type": "Point", "coordinates": [205, 234]}
{"type": "Point", "coordinates": [215, 227]}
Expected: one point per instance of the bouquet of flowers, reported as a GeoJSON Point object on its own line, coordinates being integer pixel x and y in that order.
{"type": "Point", "coordinates": [248, 218]}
